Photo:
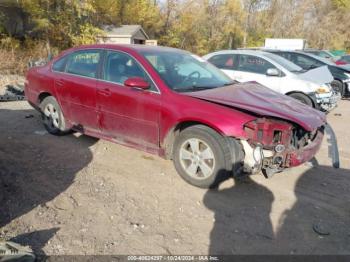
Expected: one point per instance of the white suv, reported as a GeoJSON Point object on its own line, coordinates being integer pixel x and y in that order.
{"type": "Point", "coordinates": [275, 72]}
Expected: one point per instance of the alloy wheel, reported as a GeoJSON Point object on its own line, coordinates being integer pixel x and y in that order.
{"type": "Point", "coordinates": [197, 158]}
{"type": "Point", "coordinates": [51, 116]}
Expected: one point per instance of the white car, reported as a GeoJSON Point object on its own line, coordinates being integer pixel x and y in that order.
{"type": "Point", "coordinates": [275, 72]}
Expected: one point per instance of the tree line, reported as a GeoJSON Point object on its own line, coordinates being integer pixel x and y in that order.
{"type": "Point", "coordinates": [200, 26]}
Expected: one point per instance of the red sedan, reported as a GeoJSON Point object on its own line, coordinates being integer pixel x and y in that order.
{"type": "Point", "coordinates": [172, 103]}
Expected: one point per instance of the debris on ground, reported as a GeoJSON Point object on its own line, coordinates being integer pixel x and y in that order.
{"type": "Point", "coordinates": [320, 229]}
{"type": "Point", "coordinates": [12, 93]}
{"type": "Point", "coordinates": [40, 132]}
{"type": "Point", "coordinates": [11, 88]}
{"type": "Point", "coordinates": [10, 251]}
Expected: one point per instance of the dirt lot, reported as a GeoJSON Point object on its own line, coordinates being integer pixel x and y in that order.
{"type": "Point", "coordinates": [79, 195]}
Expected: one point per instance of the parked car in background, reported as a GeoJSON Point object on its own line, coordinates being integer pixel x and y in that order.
{"type": "Point", "coordinates": [341, 75]}
{"type": "Point", "coordinates": [343, 60]}
{"type": "Point", "coordinates": [321, 53]}
{"type": "Point", "coordinates": [172, 103]}
{"type": "Point", "coordinates": [277, 74]}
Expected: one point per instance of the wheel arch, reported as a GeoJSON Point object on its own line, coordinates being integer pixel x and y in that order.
{"type": "Point", "coordinates": [42, 96]}
{"type": "Point", "coordinates": [343, 85]}
{"type": "Point", "coordinates": [302, 93]}
{"type": "Point", "coordinates": [168, 142]}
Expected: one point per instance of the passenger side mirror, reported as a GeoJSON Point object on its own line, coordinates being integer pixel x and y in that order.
{"type": "Point", "coordinates": [137, 82]}
{"type": "Point", "coordinates": [272, 72]}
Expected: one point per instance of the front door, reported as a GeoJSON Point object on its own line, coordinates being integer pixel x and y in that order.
{"type": "Point", "coordinates": [254, 68]}
{"type": "Point", "coordinates": [128, 115]}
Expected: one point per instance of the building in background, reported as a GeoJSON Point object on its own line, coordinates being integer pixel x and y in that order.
{"type": "Point", "coordinates": [125, 34]}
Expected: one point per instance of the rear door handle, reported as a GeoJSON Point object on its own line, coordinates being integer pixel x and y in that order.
{"type": "Point", "coordinates": [104, 92]}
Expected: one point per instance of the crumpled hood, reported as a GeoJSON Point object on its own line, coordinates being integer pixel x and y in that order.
{"type": "Point", "coordinates": [319, 75]}
{"type": "Point", "coordinates": [263, 101]}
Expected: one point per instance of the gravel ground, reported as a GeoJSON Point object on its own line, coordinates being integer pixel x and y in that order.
{"type": "Point", "coordinates": [79, 195]}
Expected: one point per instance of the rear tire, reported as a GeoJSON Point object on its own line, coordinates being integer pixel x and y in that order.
{"type": "Point", "coordinates": [303, 99]}
{"type": "Point", "coordinates": [204, 158]}
{"type": "Point", "coordinates": [52, 116]}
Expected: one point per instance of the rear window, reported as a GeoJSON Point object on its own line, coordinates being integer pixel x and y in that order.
{"type": "Point", "coordinates": [60, 64]}
{"type": "Point", "coordinates": [84, 63]}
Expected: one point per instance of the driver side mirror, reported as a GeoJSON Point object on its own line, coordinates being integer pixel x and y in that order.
{"type": "Point", "coordinates": [137, 82]}
{"type": "Point", "coordinates": [272, 72]}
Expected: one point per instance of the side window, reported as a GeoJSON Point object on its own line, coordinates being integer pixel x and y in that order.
{"type": "Point", "coordinates": [306, 62]}
{"type": "Point", "coordinates": [285, 55]}
{"type": "Point", "coordinates": [119, 67]}
{"type": "Point", "coordinates": [60, 64]}
{"type": "Point", "coordinates": [253, 64]}
{"type": "Point", "coordinates": [227, 61]}
{"type": "Point", "coordinates": [325, 55]}
{"type": "Point", "coordinates": [84, 63]}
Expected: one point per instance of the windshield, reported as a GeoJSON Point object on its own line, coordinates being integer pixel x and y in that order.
{"type": "Point", "coordinates": [184, 72]}
{"type": "Point", "coordinates": [285, 63]}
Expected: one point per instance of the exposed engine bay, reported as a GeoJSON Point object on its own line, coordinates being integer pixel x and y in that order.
{"type": "Point", "coordinates": [274, 145]}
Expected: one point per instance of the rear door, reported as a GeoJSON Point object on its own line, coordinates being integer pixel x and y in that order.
{"type": "Point", "coordinates": [127, 114]}
{"type": "Point", "coordinates": [76, 88]}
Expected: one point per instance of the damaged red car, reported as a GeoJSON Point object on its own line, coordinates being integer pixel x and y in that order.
{"type": "Point", "coordinates": [172, 103]}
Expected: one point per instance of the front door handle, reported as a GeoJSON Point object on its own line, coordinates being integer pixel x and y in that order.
{"type": "Point", "coordinates": [60, 82]}
{"type": "Point", "coordinates": [104, 92]}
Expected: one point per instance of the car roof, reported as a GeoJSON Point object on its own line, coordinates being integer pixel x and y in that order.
{"type": "Point", "coordinates": [134, 47]}
{"type": "Point", "coordinates": [293, 51]}
{"type": "Point", "coordinates": [240, 51]}
{"type": "Point", "coordinates": [321, 59]}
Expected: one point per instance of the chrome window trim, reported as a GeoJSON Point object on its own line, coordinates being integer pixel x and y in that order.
{"type": "Point", "coordinates": [102, 80]}
{"type": "Point", "coordinates": [70, 74]}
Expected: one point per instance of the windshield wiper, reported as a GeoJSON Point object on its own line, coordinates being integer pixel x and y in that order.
{"type": "Point", "coordinates": [193, 88]}
{"type": "Point", "coordinates": [231, 83]}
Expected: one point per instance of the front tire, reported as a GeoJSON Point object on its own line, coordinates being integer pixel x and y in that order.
{"type": "Point", "coordinates": [202, 157]}
{"type": "Point", "coordinates": [303, 99]}
{"type": "Point", "coordinates": [52, 116]}
{"type": "Point", "coordinates": [338, 87]}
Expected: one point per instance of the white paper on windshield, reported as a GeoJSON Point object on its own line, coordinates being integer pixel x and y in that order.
{"type": "Point", "coordinates": [320, 75]}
